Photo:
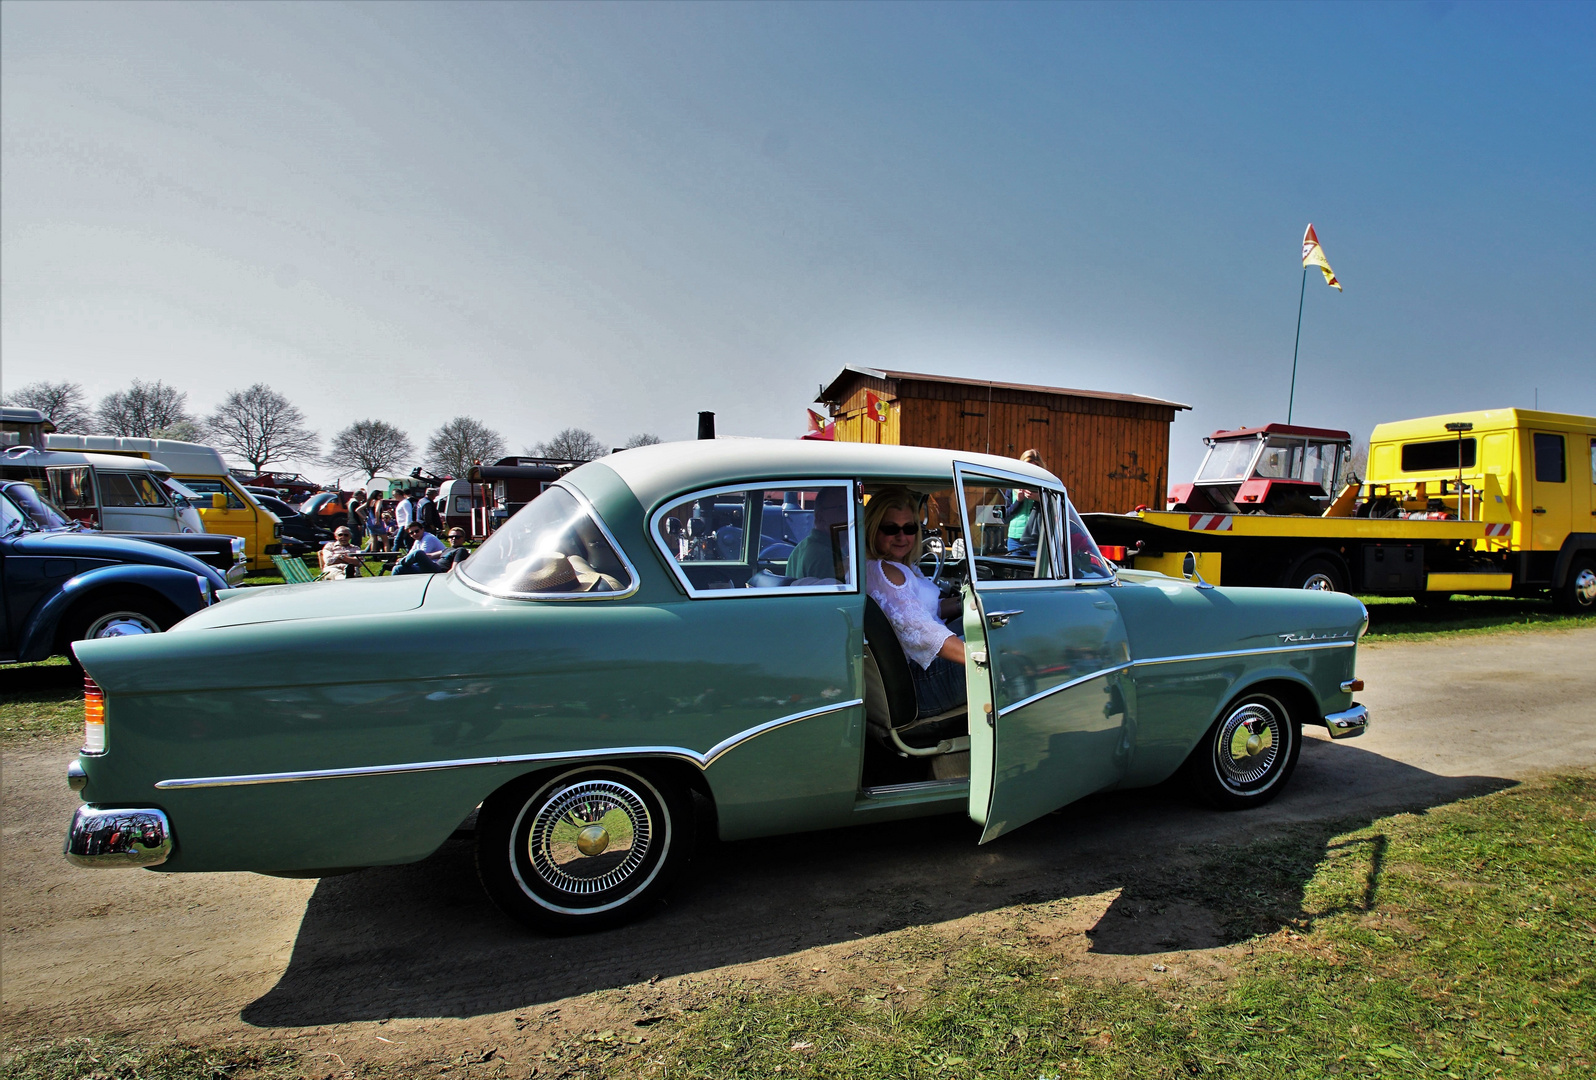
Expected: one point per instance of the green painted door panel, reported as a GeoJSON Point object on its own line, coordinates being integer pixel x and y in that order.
{"type": "Point", "coordinates": [1055, 673]}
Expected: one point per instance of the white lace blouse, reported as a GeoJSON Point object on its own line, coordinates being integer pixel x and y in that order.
{"type": "Point", "coordinates": [911, 608]}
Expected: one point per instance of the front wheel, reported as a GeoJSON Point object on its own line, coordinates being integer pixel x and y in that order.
{"type": "Point", "coordinates": [1248, 755]}
{"type": "Point", "coordinates": [580, 850]}
{"type": "Point", "coordinates": [1578, 594]}
{"type": "Point", "coordinates": [1317, 575]}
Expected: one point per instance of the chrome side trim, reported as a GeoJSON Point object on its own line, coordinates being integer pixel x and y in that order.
{"type": "Point", "coordinates": [703, 761]}
{"type": "Point", "coordinates": [620, 552]}
{"type": "Point", "coordinates": [1050, 691]}
{"type": "Point", "coordinates": [1247, 652]}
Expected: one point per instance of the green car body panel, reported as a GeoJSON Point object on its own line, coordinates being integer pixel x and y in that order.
{"type": "Point", "coordinates": [412, 699]}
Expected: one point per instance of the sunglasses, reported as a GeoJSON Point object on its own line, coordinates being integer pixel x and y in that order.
{"type": "Point", "coordinates": [888, 529]}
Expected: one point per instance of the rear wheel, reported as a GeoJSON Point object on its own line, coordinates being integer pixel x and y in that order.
{"type": "Point", "coordinates": [1317, 575]}
{"type": "Point", "coordinates": [1248, 755]}
{"type": "Point", "coordinates": [583, 849]}
{"type": "Point", "coordinates": [1578, 593]}
{"type": "Point", "coordinates": [118, 613]}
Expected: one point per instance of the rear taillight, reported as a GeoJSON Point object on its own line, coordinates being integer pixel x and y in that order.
{"type": "Point", "coordinates": [93, 717]}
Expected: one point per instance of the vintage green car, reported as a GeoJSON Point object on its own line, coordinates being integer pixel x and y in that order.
{"type": "Point", "coordinates": [626, 663]}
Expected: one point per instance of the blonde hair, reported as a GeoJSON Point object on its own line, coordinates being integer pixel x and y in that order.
{"type": "Point", "coordinates": [893, 498]}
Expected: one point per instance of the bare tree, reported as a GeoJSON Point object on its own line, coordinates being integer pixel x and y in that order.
{"type": "Point", "coordinates": [142, 409]}
{"type": "Point", "coordinates": [645, 439]}
{"type": "Point", "coordinates": [62, 403]}
{"type": "Point", "coordinates": [261, 426]}
{"type": "Point", "coordinates": [1356, 465]}
{"type": "Point", "coordinates": [572, 444]}
{"type": "Point", "coordinates": [461, 442]}
{"type": "Point", "coordinates": [183, 431]}
{"type": "Point", "coordinates": [369, 446]}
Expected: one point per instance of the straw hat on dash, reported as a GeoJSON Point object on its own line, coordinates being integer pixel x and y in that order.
{"type": "Point", "coordinates": [548, 571]}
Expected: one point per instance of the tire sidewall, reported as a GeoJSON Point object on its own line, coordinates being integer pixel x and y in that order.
{"type": "Point", "coordinates": [504, 861]}
{"type": "Point", "coordinates": [1203, 772]}
{"type": "Point", "coordinates": [96, 606]}
{"type": "Point", "coordinates": [1315, 565]}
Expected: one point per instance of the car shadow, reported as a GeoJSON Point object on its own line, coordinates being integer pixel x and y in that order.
{"type": "Point", "coordinates": [422, 940]}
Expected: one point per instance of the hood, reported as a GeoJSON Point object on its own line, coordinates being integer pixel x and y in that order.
{"type": "Point", "coordinates": [111, 549]}
{"type": "Point", "coordinates": [317, 600]}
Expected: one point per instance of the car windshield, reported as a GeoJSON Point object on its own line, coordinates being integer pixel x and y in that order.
{"type": "Point", "coordinates": [552, 547]}
{"type": "Point", "coordinates": [40, 510]}
{"type": "Point", "coordinates": [1228, 460]}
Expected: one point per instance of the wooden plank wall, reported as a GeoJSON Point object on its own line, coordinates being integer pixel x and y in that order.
{"type": "Point", "coordinates": [1112, 455]}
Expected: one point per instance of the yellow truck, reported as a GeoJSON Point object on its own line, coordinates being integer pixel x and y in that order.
{"type": "Point", "coordinates": [1495, 501]}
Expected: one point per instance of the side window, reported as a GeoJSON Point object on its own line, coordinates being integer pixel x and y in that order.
{"type": "Point", "coordinates": [117, 490]}
{"type": "Point", "coordinates": [149, 492]}
{"type": "Point", "coordinates": [206, 488]}
{"type": "Point", "coordinates": [1086, 562]}
{"type": "Point", "coordinates": [1012, 533]}
{"type": "Point", "coordinates": [739, 541]}
{"type": "Point", "coordinates": [11, 519]}
{"type": "Point", "coordinates": [1549, 464]}
{"type": "Point", "coordinates": [73, 488]}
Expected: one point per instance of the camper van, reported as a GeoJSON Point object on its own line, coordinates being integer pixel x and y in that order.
{"type": "Point", "coordinates": [231, 510]}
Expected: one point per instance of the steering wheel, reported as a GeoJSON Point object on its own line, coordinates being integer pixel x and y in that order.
{"type": "Point", "coordinates": [937, 561]}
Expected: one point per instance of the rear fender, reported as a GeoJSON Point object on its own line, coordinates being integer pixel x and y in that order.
{"type": "Point", "coordinates": [184, 590]}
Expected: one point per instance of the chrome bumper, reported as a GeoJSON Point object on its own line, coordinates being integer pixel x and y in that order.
{"type": "Point", "coordinates": [1344, 725]}
{"type": "Point", "coordinates": [114, 839]}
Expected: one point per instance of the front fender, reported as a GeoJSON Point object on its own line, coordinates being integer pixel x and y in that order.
{"type": "Point", "coordinates": [184, 590]}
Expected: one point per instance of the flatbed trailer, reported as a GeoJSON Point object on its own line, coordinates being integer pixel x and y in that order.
{"type": "Point", "coordinates": [1495, 501]}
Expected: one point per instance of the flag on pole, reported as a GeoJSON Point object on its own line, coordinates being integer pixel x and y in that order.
{"type": "Point", "coordinates": [1313, 255]}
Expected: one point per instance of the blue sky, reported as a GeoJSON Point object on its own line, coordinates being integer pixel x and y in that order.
{"type": "Point", "coordinates": [614, 216]}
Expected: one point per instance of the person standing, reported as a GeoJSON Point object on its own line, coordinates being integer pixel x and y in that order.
{"type": "Point", "coordinates": [357, 517]}
{"type": "Point", "coordinates": [1024, 514]}
{"type": "Point", "coordinates": [404, 515]}
{"type": "Point", "coordinates": [427, 512]}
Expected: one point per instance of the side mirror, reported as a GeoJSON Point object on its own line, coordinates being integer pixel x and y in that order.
{"type": "Point", "coordinates": [1188, 570]}
{"type": "Point", "coordinates": [218, 500]}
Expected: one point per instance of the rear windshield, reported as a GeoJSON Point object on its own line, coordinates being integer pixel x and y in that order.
{"type": "Point", "coordinates": [1440, 454]}
{"type": "Point", "coordinates": [553, 547]}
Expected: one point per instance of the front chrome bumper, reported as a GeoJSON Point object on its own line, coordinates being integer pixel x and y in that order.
{"type": "Point", "coordinates": [115, 839]}
{"type": "Point", "coordinates": [1345, 725]}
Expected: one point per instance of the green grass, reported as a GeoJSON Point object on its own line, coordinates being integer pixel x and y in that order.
{"type": "Point", "coordinates": [1454, 944]}
{"type": "Point", "coordinates": [1399, 618]}
{"type": "Point", "coordinates": [40, 699]}
{"type": "Point", "coordinates": [108, 1059]}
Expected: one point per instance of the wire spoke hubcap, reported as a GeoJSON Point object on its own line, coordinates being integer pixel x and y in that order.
{"type": "Point", "coordinates": [590, 837]}
{"type": "Point", "coordinates": [1248, 745]}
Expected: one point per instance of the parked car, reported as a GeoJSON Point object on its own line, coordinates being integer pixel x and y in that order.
{"type": "Point", "coordinates": [60, 583]}
{"type": "Point", "coordinates": [625, 643]}
{"type": "Point", "coordinates": [307, 531]}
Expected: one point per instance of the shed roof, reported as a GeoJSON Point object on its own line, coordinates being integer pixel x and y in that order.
{"type": "Point", "coordinates": [831, 392]}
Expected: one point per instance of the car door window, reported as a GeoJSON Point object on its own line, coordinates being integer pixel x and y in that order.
{"type": "Point", "coordinates": [207, 488]}
{"type": "Point", "coordinates": [1012, 533]}
{"type": "Point", "coordinates": [1549, 467]}
{"type": "Point", "coordinates": [73, 489]}
{"type": "Point", "coordinates": [11, 519]}
{"type": "Point", "coordinates": [798, 537]}
{"type": "Point", "coordinates": [1086, 562]}
{"type": "Point", "coordinates": [116, 489]}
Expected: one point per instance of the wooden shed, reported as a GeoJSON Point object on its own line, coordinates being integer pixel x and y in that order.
{"type": "Point", "coordinates": [1111, 450]}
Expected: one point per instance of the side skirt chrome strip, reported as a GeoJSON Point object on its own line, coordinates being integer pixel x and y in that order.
{"type": "Point", "coordinates": [703, 761]}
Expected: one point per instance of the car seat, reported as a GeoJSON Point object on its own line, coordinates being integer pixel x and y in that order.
{"type": "Point", "coordinates": [890, 705]}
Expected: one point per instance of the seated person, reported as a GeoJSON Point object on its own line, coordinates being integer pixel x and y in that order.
{"type": "Point", "coordinates": [423, 547]}
{"type": "Point", "coordinates": [457, 552]}
{"type": "Point", "coordinates": [339, 557]}
{"type": "Point", "coordinates": [911, 603]}
{"type": "Point", "coordinates": [818, 558]}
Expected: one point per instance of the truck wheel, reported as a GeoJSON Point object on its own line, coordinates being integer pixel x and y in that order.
{"type": "Point", "coordinates": [1578, 593]}
{"type": "Point", "coordinates": [1247, 756]}
{"type": "Point", "coordinates": [1317, 575]}
{"type": "Point", "coordinates": [584, 849]}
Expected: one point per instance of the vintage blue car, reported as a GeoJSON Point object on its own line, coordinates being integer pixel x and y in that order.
{"type": "Point", "coordinates": [59, 584]}
{"type": "Point", "coordinates": [630, 651]}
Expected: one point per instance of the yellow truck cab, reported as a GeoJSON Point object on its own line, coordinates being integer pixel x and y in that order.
{"type": "Point", "coordinates": [1529, 471]}
{"type": "Point", "coordinates": [200, 469]}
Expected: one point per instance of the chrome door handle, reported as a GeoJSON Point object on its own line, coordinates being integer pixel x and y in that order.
{"type": "Point", "coordinates": [996, 619]}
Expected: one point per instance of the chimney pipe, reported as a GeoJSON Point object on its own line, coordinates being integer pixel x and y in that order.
{"type": "Point", "coordinates": [706, 425]}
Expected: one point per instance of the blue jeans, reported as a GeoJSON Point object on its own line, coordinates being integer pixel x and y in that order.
{"type": "Point", "coordinates": [416, 562]}
{"type": "Point", "coordinates": [1018, 546]}
{"type": "Point", "coordinates": [937, 688]}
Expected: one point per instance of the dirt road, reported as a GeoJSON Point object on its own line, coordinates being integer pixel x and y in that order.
{"type": "Point", "coordinates": [411, 964]}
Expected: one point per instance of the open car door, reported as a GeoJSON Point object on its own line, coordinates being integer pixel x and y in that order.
{"type": "Point", "coordinates": [1047, 657]}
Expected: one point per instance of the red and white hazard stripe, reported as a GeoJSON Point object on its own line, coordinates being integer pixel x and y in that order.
{"type": "Point", "coordinates": [1209, 522]}
{"type": "Point", "coordinates": [1502, 529]}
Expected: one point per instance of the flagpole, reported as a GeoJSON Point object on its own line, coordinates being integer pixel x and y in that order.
{"type": "Point", "coordinates": [1291, 401]}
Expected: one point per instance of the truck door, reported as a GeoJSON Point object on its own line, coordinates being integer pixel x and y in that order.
{"type": "Point", "coordinates": [240, 517]}
{"type": "Point", "coordinates": [1551, 495]}
{"type": "Point", "coordinates": [1046, 655]}
{"type": "Point", "coordinates": [72, 488]}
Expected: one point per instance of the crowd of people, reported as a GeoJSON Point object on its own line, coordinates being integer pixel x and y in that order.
{"type": "Point", "coordinates": [406, 522]}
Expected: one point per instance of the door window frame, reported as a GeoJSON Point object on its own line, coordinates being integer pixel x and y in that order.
{"type": "Point", "coordinates": [1056, 532]}
{"type": "Point", "coordinates": [850, 486]}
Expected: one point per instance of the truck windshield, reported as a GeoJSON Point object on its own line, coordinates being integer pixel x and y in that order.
{"type": "Point", "coordinates": [1228, 460]}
